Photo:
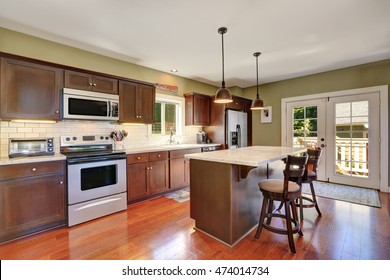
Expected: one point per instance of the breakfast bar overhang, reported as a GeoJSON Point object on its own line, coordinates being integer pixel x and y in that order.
{"type": "Point", "coordinates": [225, 199]}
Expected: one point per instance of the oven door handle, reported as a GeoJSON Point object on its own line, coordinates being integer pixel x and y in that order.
{"type": "Point", "coordinates": [95, 159]}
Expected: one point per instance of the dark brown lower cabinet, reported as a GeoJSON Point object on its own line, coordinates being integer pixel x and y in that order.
{"type": "Point", "coordinates": [179, 167]}
{"type": "Point", "coordinates": [147, 174]}
{"type": "Point", "coordinates": [32, 198]}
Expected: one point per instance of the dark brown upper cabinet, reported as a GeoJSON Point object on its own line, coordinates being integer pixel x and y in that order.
{"type": "Point", "coordinates": [29, 90]}
{"type": "Point", "coordinates": [237, 104]}
{"type": "Point", "coordinates": [197, 109]}
{"type": "Point", "coordinates": [84, 81]}
{"type": "Point", "coordinates": [136, 102]}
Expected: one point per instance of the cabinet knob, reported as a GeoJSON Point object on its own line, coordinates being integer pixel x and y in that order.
{"type": "Point", "coordinates": [57, 111]}
{"type": "Point", "coordinates": [61, 182]}
{"type": "Point", "coordinates": [138, 157]}
{"type": "Point", "coordinates": [33, 169]}
{"type": "Point", "coordinates": [94, 85]}
{"type": "Point", "coordinates": [90, 84]}
{"type": "Point", "coordinates": [158, 155]}
{"type": "Point", "coordinates": [147, 168]}
{"type": "Point", "coordinates": [151, 167]}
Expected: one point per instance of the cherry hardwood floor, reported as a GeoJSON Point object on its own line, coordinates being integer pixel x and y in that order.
{"type": "Point", "coordinates": [162, 229]}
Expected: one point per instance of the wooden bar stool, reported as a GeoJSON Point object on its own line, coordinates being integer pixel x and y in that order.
{"type": "Point", "coordinates": [309, 177]}
{"type": "Point", "coordinates": [287, 192]}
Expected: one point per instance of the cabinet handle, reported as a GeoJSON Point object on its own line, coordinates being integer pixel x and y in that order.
{"type": "Point", "coordinates": [33, 169]}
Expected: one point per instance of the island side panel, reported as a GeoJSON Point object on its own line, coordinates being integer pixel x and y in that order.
{"type": "Point", "coordinates": [246, 200]}
{"type": "Point", "coordinates": [210, 198]}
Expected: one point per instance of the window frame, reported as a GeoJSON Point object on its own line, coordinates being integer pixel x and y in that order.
{"type": "Point", "coordinates": [179, 113]}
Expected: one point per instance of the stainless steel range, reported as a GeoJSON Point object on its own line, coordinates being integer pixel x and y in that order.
{"type": "Point", "coordinates": [96, 177]}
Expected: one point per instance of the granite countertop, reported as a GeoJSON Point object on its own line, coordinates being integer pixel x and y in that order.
{"type": "Point", "coordinates": [5, 160]}
{"type": "Point", "coordinates": [249, 156]}
{"type": "Point", "coordinates": [167, 147]}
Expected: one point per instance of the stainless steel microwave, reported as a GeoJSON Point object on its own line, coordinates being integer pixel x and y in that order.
{"type": "Point", "coordinates": [86, 105]}
{"type": "Point", "coordinates": [30, 147]}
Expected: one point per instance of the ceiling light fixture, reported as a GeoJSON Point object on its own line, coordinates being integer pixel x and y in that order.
{"type": "Point", "coordinates": [257, 104]}
{"type": "Point", "coordinates": [223, 94]}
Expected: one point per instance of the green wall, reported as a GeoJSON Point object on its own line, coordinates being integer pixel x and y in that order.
{"type": "Point", "coordinates": [33, 47]}
{"type": "Point", "coordinates": [366, 75]}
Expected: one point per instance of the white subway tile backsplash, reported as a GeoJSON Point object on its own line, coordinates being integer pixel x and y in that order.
{"type": "Point", "coordinates": [138, 135]}
{"type": "Point", "coordinates": [24, 129]}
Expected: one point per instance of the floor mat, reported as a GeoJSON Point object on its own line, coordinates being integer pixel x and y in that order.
{"type": "Point", "coordinates": [179, 195]}
{"type": "Point", "coordinates": [351, 194]}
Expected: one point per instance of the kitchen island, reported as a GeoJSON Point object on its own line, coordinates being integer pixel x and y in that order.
{"type": "Point", "coordinates": [225, 199]}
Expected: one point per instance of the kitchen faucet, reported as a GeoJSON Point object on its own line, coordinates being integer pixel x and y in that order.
{"type": "Point", "coordinates": [171, 139]}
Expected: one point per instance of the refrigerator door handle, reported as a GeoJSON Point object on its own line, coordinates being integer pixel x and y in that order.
{"type": "Point", "coordinates": [238, 136]}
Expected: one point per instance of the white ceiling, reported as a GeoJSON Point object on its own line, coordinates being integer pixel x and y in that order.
{"type": "Point", "coordinates": [296, 38]}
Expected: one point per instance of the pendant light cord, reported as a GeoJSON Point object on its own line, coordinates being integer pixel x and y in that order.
{"type": "Point", "coordinates": [223, 64]}
{"type": "Point", "coordinates": [257, 77]}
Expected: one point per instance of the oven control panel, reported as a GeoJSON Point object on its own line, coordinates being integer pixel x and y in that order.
{"type": "Point", "coordinates": [75, 140]}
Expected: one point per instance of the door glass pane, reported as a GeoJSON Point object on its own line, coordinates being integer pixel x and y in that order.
{"type": "Point", "coordinates": [305, 126]}
{"type": "Point", "coordinates": [352, 139]}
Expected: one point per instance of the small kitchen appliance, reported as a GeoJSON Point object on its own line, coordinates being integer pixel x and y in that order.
{"type": "Point", "coordinates": [201, 137]}
{"type": "Point", "coordinates": [30, 147]}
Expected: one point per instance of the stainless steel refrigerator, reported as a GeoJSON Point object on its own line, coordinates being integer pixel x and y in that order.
{"type": "Point", "coordinates": [236, 129]}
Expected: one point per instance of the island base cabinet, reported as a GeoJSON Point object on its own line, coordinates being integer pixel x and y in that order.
{"type": "Point", "coordinates": [31, 205]}
{"type": "Point", "coordinates": [224, 204]}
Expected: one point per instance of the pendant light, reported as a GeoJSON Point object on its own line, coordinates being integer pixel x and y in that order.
{"type": "Point", "coordinates": [257, 104]}
{"type": "Point", "coordinates": [223, 94]}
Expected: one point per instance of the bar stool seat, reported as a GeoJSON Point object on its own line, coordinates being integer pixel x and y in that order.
{"type": "Point", "coordinates": [287, 192]}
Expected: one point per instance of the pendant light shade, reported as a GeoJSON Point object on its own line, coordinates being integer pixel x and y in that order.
{"type": "Point", "coordinates": [257, 104]}
{"type": "Point", "coordinates": [223, 95]}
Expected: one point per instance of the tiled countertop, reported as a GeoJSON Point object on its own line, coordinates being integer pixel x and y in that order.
{"type": "Point", "coordinates": [5, 160]}
{"type": "Point", "coordinates": [249, 156]}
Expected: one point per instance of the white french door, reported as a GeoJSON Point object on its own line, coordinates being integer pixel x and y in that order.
{"type": "Point", "coordinates": [352, 132]}
{"type": "Point", "coordinates": [347, 129]}
{"type": "Point", "coordinates": [306, 127]}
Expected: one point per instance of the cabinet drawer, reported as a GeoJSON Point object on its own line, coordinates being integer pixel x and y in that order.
{"type": "Point", "coordinates": [137, 158]}
{"type": "Point", "coordinates": [31, 169]}
{"type": "Point", "coordinates": [158, 155]}
{"type": "Point", "coordinates": [181, 153]}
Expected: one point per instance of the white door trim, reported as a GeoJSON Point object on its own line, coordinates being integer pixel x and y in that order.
{"type": "Point", "coordinates": [384, 141]}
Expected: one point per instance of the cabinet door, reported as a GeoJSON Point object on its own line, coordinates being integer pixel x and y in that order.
{"type": "Point", "coordinates": [201, 110]}
{"type": "Point", "coordinates": [137, 181]}
{"type": "Point", "coordinates": [29, 90]}
{"type": "Point", "coordinates": [158, 176]}
{"type": "Point", "coordinates": [136, 102]}
{"type": "Point", "coordinates": [85, 81]}
{"type": "Point", "coordinates": [145, 103]}
{"type": "Point", "coordinates": [178, 176]}
{"type": "Point", "coordinates": [237, 104]}
{"type": "Point", "coordinates": [31, 204]}
{"type": "Point", "coordinates": [105, 84]}
{"type": "Point", "coordinates": [78, 80]}
{"type": "Point", "coordinates": [127, 102]}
